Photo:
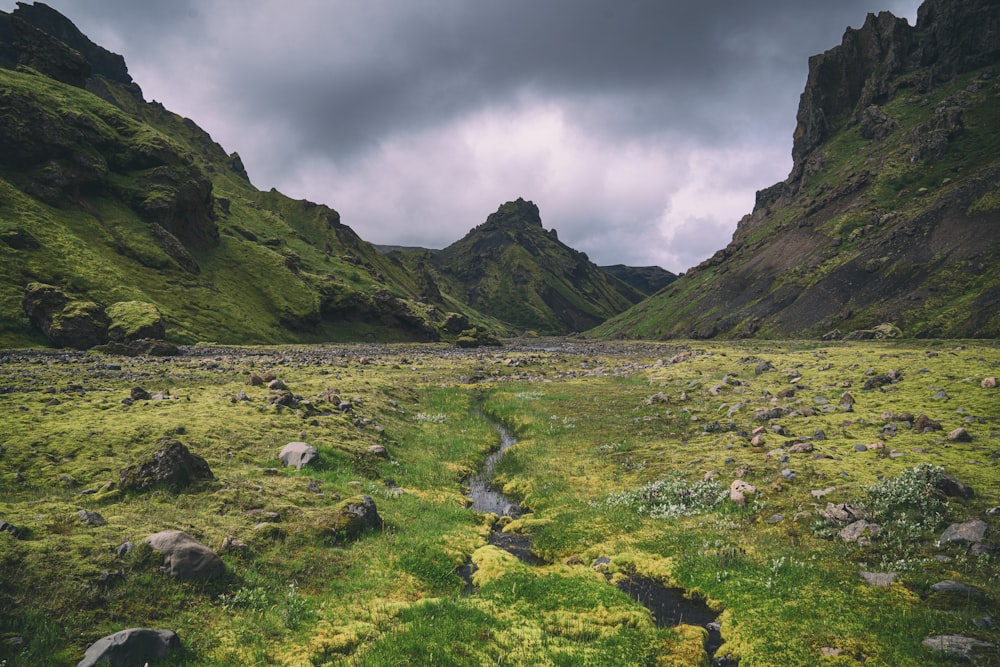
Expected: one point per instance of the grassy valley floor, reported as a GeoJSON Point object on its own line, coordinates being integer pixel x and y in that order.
{"type": "Point", "coordinates": [624, 462]}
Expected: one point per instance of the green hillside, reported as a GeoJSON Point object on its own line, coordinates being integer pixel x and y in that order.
{"type": "Point", "coordinates": [891, 212]}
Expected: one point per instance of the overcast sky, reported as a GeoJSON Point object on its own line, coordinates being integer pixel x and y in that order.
{"type": "Point", "coordinates": [641, 128]}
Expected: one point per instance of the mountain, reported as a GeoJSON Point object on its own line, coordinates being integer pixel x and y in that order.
{"type": "Point", "coordinates": [115, 211]}
{"type": "Point", "coordinates": [514, 270]}
{"type": "Point", "coordinates": [891, 212]}
{"type": "Point", "coordinates": [647, 279]}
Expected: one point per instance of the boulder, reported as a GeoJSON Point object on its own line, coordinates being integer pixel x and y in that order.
{"type": "Point", "coordinates": [135, 646]}
{"type": "Point", "coordinates": [739, 490]}
{"type": "Point", "coordinates": [951, 487]}
{"type": "Point", "coordinates": [91, 518]}
{"type": "Point", "coordinates": [352, 517]}
{"type": "Point", "coordinates": [965, 533]}
{"type": "Point", "coordinates": [298, 454]}
{"type": "Point", "coordinates": [171, 465]}
{"type": "Point", "coordinates": [842, 514]}
{"type": "Point", "coordinates": [65, 322]}
{"type": "Point", "coordinates": [989, 383]}
{"type": "Point", "coordinates": [924, 423]}
{"type": "Point", "coordinates": [959, 435]}
{"type": "Point", "coordinates": [860, 531]}
{"type": "Point", "coordinates": [956, 646]}
{"type": "Point", "coordinates": [184, 557]}
{"type": "Point", "coordinates": [880, 579]}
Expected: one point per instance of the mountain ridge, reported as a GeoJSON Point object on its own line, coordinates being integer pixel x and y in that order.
{"type": "Point", "coordinates": [889, 213]}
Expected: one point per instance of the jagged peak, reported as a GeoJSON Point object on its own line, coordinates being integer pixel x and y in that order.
{"type": "Point", "coordinates": [517, 212]}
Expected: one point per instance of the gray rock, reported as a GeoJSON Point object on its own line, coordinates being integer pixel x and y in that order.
{"type": "Point", "coordinates": [960, 435]}
{"type": "Point", "coordinates": [969, 532]}
{"type": "Point", "coordinates": [860, 531]}
{"type": "Point", "coordinates": [378, 451]}
{"type": "Point", "coordinates": [134, 646]}
{"type": "Point", "coordinates": [842, 514]}
{"type": "Point", "coordinates": [956, 646]}
{"type": "Point", "coordinates": [819, 493]}
{"type": "Point", "coordinates": [776, 518]}
{"type": "Point", "coordinates": [951, 487]}
{"type": "Point", "coordinates": [298, 454]}
{"type": "Point", "coordinates": [788, 474]}
{"type": "Point", "coordinates": [880, 579]}
{"type": "Point", "coordinates": [184, 557]}
{"type": "Point", "coordinates": [949, 586]}
{"type": "Point", "coordinates": [801, 448]}
{"type": "Point", "coordinates": [91, 518]}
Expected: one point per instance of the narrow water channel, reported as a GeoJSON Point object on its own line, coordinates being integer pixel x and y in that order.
{"type": "Point", "coordinates": [669, 606]}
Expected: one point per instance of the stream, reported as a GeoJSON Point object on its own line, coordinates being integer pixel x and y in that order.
{"type": "Point", "coordinates": [669, 606]}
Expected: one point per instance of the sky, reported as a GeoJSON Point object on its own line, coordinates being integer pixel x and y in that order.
{"type": "Point", "coordinates": [641, 128]}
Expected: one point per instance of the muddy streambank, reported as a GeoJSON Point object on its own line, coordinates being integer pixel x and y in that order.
{"type": "Point", "coordinates": [669, 606]}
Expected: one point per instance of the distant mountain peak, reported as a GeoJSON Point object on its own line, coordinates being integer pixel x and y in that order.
{"type": "Point", "coordinates": [513, 213]}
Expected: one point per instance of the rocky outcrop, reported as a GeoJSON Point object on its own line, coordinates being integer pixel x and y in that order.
{"type": "Point", "coordinates": [888, 214]}
{"type": "Point", "coordinates": [65, 321]}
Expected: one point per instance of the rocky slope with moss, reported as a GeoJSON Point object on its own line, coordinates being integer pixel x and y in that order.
{"type": "Point", "coordinates": [108, 199]}
{"type": "Point", "coordinates": [890, 213]}
{"type": "Point", "coordinates": [513, 269]}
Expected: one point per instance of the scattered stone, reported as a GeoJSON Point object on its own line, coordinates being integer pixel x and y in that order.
{"type": "Point", "coordinates": [801, 448]}
{"type": "Point", "coordinates": [952, 488]}
{"type": "Point", "coordinates": [969, 532]}
{"type": "Point", "coordinates": [860, 531]}
{"type": "Point", "coordinates": [255, 380]}
{"type": "Point", "coordinates": [989, 383]}
{"type": "Point", "coordinates": [941, 395]}
{"type": "Point", "coordinates": [378, 451]}
{"type": "Point", "coordinates": [276, 385]}
{"type": "Point", "coordinates": [135, 646]}
{"type": "Point", "coordinates": [711, 474]}
{"type": "Point", "coordinates": [139, 394]}
{"type": "Point", "coordinates": [924, 424]}
{"type": "Point", "coordinates": [172, 465]}
{"type": "Point", "coordinates": [91, 518]}
{"type": "Point", "coordinates": [298, 454]}
{"type": "Point", "coordinates": [847, 398]}
{"type": "Point", "coordinates": [842, 514]}
{"type": "Point", "coordinates": [829, 652]}
{"type": "Point", "coordinates": [763, 367]}
{"type": "Point", "coordinates": [775, 518]}
{"type": "Point", "coordinates": [184, 557]}
{"type": "Point", "coordinates": [739, 490]}
{"type": "Point", "coordinates": [10, 529]}
{"type": "Point", "coordinates": [959, 435]}
{"type": "Point", "coordinates": [788, 474]}
{"type": "Point", "coordinates": [861, 448]}
{"type": "Point", "coordinates": [880, 579]}
{"type": "Point", "coordinates": [819, 493]}
{"type": "Point", "coordinates": [984, 549]}
{"type": "Point", "coordinates": [124, 548]}
{"type": "Point", "coordinates": [949, 586]}
{"type": "Point", "coordinates": [819, 435]}
{"type": "Point", "coordinates": [354, 516]}
{"type": "Point", "coordinates": [956, 646]}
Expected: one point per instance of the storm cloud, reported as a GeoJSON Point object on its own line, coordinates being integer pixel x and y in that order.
{"type": "Point", "coordinates": [641, 128]}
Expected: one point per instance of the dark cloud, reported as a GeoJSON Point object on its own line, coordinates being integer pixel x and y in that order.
{"type": "Point", "coordinates": [416, 118]}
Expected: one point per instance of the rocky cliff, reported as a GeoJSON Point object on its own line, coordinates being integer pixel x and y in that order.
{"type": "Point", "coordinates": [890, 212]}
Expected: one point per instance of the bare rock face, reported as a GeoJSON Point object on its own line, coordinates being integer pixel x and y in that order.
{"type": "Point", "coordinates": [134, 646]}
{"type": "Point", "coordinates": [171, 465]}
{"type": "Point", "coordinates": [185, 557]}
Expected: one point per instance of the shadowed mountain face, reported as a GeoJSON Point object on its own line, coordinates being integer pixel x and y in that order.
{"type": "Point", "coordinates": [512, 269]}
{"type": "Point", "coordinates": [891, 213]}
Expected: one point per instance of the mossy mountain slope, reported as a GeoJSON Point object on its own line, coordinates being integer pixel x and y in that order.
{"type": "Point", "coordinates": [891, 210]}
{"type": "Point", "coordinates": [513, 269]}
{"type": "Point", "coordinates": [113, 199]}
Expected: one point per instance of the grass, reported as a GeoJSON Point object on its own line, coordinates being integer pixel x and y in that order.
{"type": "Point", "coordinates": [614, 444]}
